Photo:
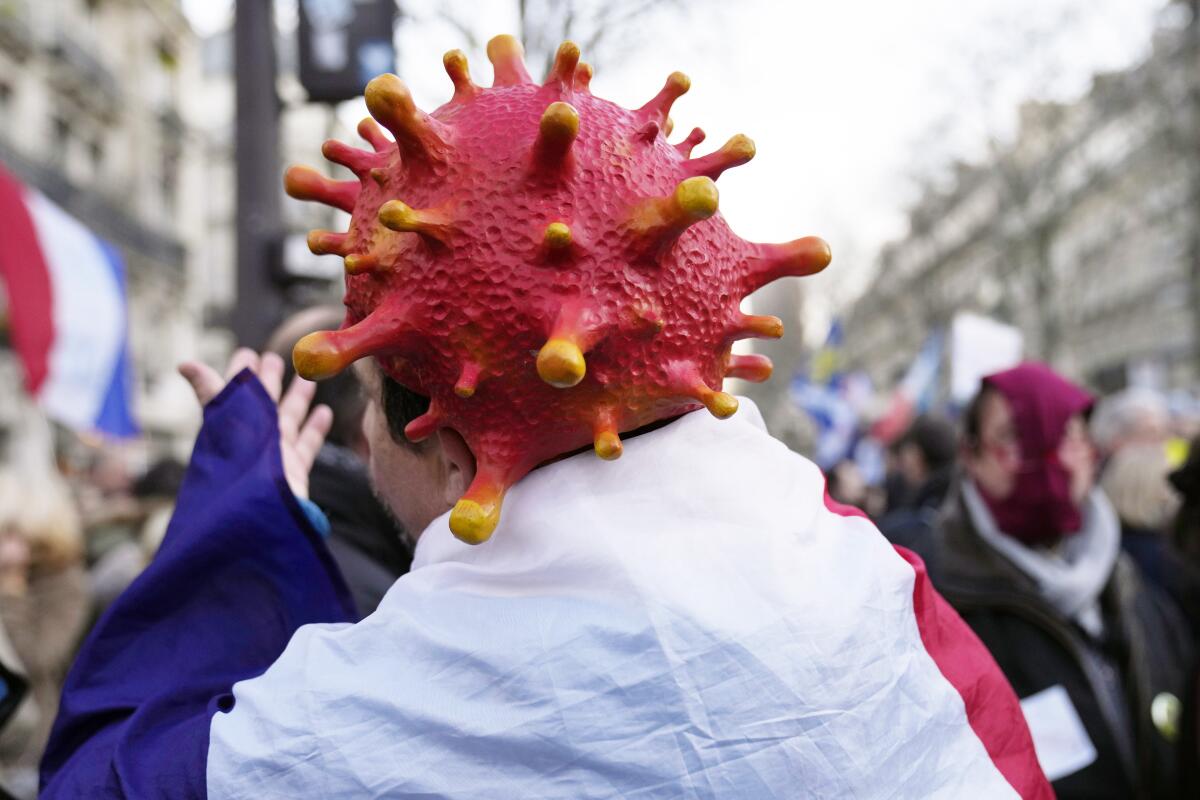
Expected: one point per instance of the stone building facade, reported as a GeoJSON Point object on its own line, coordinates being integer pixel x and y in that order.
{"type": "Point", "coordinates": [94, 100]}
{"type": "Point", "coordinates": [1082, 232]}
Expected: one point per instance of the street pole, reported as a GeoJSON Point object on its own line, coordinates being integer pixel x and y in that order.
{"type": "Point", "coordinates": [1191, 139]}
{"type": "Point", "coordinates": [259, 205]}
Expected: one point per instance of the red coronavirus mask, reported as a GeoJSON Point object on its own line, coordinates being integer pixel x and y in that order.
{"type": "Point", "coordinates": [1040, 508]}
{"type": "Point", "coordinates": [542, 264]}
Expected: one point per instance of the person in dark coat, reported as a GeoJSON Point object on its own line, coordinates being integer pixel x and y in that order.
{"type": "Point", "coordinates": [1185, 533]}
{"type": "Point", "coordinates": [370, 548]}
{"type": "Point", "coordinates": [1029, 553]}
{"type": "Point", "coordinates": [1135, 481]}
{"type": "Point", "coordinates": [1186, 548]}
{"type": "Point", "coordinates": [924, 457]}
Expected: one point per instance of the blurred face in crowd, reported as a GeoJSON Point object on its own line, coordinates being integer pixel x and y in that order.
{"type": "Point", "coordinates": [14, 560]}
{"type": "Point", "coordinates": [995, 461]}
{"type": "Point", "coordinates": [848, 485]}
{"type": "Point", "coordinates": [111, 476]}
{"type": "Point", "coordinates": [416, 483]}
{"type": "Point", "coordinates": [910, 462]}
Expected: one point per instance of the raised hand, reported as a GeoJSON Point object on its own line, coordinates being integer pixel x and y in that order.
{"type": "Point", "coordinates": [301, 431]}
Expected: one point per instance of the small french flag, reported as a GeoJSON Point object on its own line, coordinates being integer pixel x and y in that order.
{"type": "Point", "coordinates": [67, 312]}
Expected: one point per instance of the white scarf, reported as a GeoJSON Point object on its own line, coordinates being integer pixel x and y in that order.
{"type": "Point", "coordinates": [1070, 577]}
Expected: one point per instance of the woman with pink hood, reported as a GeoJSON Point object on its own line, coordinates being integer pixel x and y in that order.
{"type": "Point", "coordinates": [1028, 551]}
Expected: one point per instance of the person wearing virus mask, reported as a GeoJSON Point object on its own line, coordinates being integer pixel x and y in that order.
{"type": "Point", "coordinates": [1028, 551]}
{"type": "Point", "coordinates": [695, 620]}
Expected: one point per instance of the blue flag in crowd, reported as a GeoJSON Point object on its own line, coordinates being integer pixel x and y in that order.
{"type": "Point", "coordinates": [824, 395]}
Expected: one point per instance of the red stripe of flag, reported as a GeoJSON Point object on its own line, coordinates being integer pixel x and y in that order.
{"type": "Point", "coordinates": [992, 706]}
{"type": "Point", "coordinates": [27, 281]}
{"type": "Point", "coordinates": [993, 711]}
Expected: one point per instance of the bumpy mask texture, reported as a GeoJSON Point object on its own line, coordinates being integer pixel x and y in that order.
{"type": "Point", "coordinates": [542, 264]}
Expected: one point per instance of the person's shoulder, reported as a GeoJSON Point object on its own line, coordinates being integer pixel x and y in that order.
{"type": "Point", "coordinates": [913, 528]}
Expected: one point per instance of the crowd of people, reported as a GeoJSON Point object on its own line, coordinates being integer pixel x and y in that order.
{"type": "Point", "coordinates": [71, 540]}
{"type": "Point", "coordinates": [1064, 530]}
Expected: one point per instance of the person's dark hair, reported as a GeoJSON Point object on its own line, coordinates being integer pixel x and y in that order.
{"type": "Point", "coordinates": [163, 479]}
{"type": "Point", "coordinates": [934, 436]}
{"type": "Point", "coordinates": [400, 407]}
{"type": "Point", "coordinates": [344, 395]}
{"type": "Point", "coordinates": [972, 419]}
{"type": "Point", "coordinates": [1186, 481]}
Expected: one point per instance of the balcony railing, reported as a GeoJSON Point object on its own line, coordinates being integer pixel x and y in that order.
{"type": "Point", "coordinates": [84, 76]}
{"type": "Point", "coordinates": [106, 218]}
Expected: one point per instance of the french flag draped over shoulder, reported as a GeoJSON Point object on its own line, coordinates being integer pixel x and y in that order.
{"type": "Point", "coordinates": [67, 311]}
{"type": "Point", "coordinates": [694, 620]}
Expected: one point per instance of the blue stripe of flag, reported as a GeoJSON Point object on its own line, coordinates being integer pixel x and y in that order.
{"type": "Point", "coordinates": [115, 417]}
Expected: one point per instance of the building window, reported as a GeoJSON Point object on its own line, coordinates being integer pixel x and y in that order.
{"type": "Point", "coordinates": [96, 153]}
{"type": "Point", "coordinates": [166, 55]}
{"type": "Point", "coordinates": [170, 177]}
{"type": "Point", "coordinates": [6, 95]}
{"type": "Point", "coordinates": [62, 131]}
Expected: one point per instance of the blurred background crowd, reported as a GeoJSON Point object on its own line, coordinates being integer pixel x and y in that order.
{"type": "Point", "coordinates": [1000, 182]}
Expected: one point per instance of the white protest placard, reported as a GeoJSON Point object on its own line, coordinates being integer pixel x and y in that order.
{"type": "Point", "coordinates": [979, 346]}
{"type": "Point", "coordinates": [1062, 744]}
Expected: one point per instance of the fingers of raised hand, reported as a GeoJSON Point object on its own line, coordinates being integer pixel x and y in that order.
{"type": "Point", "coordinates": [204, 380]}
{"type": "Point", "coordinates": [312, 435]}
{"type": "Point", "coordinates": [241, 359]}
{"type": "Point", "coordinates": [300, 451]}
{"type": "Point", "coordinates": [270, 373]}
{"type": "Point", "coordinates": [293, 408]}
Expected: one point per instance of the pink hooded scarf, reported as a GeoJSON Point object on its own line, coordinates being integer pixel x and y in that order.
{"type": "Point", "coordinates": [1040, 509]}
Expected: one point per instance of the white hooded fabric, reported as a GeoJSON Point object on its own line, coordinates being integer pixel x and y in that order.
{"type": "Point", "coordinates": [690, 621]}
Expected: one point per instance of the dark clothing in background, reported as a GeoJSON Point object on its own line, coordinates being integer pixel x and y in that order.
{"type": "Point", "coordinates": [913, 528]}
{"type": "Point", "coordinates": [1148, 549]}
{"type": "Point", "coordinates": [365, 543]}
{"type": "Point", "coordinates": [896, 491]}
{"type": "Point", "coordinates": [1112, 680]}
{"type": "Point", "coordinates": [911, 524]}
{"type": "Point", "coordinates": [932, 493]}
{"type": "Point", "coordinates": [1185, 545]}
{"type": "Point", "coordinates": [1162, 565]}
{"type": "Point", "coordinates": [1186, 481]}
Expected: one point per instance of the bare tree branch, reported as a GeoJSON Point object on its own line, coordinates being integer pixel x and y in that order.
{"type": "Point", "coordinates": [592, 23]}
{"type": "Point", "coordinates": [608, 23]}
{"type": "Point", "coordinates": [458, 25]}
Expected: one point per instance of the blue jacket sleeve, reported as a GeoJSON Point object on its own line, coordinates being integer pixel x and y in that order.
{"type": "Point", "coordinates": [240, 569]}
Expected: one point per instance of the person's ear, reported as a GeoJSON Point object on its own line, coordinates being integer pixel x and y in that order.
{"type": "Point", "coordinates": [459, 465]}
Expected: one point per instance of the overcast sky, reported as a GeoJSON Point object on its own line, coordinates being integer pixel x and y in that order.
{"type": "Point", "coordinates": [847, 102]}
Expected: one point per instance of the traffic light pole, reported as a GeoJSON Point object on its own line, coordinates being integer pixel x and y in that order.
{"type": "Point", "coordinates": [1191, 138]}
{"type": "Point", "coordinates": [259, 204]}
